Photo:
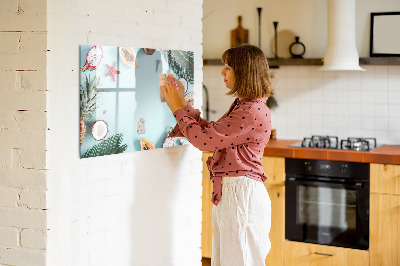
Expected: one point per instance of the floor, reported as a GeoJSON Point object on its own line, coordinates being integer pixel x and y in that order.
{"type": "Point", "coordinates": [206, 261]}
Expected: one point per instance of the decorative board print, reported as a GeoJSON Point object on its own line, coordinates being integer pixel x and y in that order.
{"type": "Point", "coordinates": [122, 108]}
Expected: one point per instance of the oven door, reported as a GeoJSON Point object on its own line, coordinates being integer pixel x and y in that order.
{"type": "Point", "coordinates": [327, 213]}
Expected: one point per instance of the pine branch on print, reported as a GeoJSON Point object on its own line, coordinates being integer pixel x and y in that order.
{"type": "Point", "coordinates": [181, 63]}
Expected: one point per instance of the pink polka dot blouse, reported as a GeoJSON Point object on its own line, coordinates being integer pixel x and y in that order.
{"type": "Point", "coordinates": [238, 139]}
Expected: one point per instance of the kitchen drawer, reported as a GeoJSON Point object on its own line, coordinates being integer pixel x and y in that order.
{"type": "Point", "coordinates": [305, 254]}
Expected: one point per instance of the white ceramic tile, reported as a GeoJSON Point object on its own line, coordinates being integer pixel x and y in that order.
{"type": "Point", "coordinates": [278, 84]}
{"type": "Point", "coordinates": [367, 133]}
{"type": "Point", "coordinates": [317, 107]}
{"type": "Point", "coordinates": [367, 83]}
{"type": "Point", "coordinates": [367, 110]}
{"type": "Point", "coordinates": [367, 96]}
{"type": "Point", "coordinates": [329, 131]}
{"type": "Point", "coordinates": [394, 83]}
{"type": "Point", "coordinates": [380, 84]}
{"type": "Point", "coordinates": [328, 74]}
{"type": "Point", "coordinates": [394, 137]}
{"type": "Point", "coordinates": [382, 123]}
{"type": "Point", "coordinates": [342, 81]}
{"type": "Point", "coordinates": [279, 72]}
{"type": "Point", "coordinates": [316, 72]}
{"type": "Point", "coordinates": [367, 122]}
{"type": "Point", "coordinates": [316, 82]}
{"type": "Point", "coordinates": [394, 70]}
{"type": "Point", "coordinates": [355, 122]}
{"type": "Point", "coordinates": [382, 136]}
{"type": "Point", "coordinates": [317, 120]}
{"type": "Point", "coordinates": [293, 120]}
{"type": "Point", "coordinates": [342, 109]}
{"type": "Point", "coordinates": [381, 97]}
{"type": "Point", "coordinates": [304, 109]}
{"type": "Point", "coordinates": [381, 110]}
{"type": "Point", "coordinates": [394, 110]}
{"type": "Point", "coordinates": [380, 71]}
{"type": "Point", "coordinates": [342, 133]}
{"type": "Point", "coordinates": [292, 83]}
{"type": "Point", "coordinates": [355, 96]}
{"type": "Point", "coordinates": [355, 109]}
{"type": "Point", "coordinates": [329, 122]}
{"type": "Point", "coordinates": [354, 80]}
{"type": "Point", "coordinates": [394, 123]}
{"type": "Point", "coordinates": [317, 95]}
{"type": "Point", "coordinates": [304, 72]}
{"type": "Point", "coordinates": [355, 132]}
{"type": "Point", "coordinates": [303, 82]}
{"type": "Point", "coordinates": [329, 109]}
{"type": "Point", "coordinates": [394, 97]}
{"type": "Point", "coordinates": [329, 94]}
{"type": "Point", "coordinates": [317, 131]}
{"type": "Point", "coordinates": [369, 70]}
{"type": "Point", "coordinates": [342, 122]}
{"type": "Point", "coordinates": [292, 133]}
{"type": "Point", "coordinates": [291, 71]}
{"type": "Point", "coordinates": [342, 96]}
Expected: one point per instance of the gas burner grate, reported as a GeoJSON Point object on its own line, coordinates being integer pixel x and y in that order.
{"type": "Point", "coordinates": [327, 142]}
{"type": "Point", "coordinates": [358, 144]}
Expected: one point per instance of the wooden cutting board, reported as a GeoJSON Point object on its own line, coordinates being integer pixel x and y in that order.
{"type": "Point", "coordinates": [239, 35]}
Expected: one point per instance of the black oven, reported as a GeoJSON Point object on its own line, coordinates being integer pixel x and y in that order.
{"type": "Point", "coordinates": [327, 202]}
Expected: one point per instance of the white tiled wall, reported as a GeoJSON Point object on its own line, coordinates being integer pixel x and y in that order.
{"type": "Point", "coordinates": [312, 102]}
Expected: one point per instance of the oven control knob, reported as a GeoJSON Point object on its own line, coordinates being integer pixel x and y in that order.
{"type": "Point", "coordinates": [308, 166]}
{"type": "Point", "coordinates": [343, 168]}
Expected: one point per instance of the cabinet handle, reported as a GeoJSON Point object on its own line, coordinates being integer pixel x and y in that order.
{"type": "Point", "coordinates": [324, 254]}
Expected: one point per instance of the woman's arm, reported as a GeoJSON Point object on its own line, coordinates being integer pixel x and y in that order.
{"type": "Point", "coordinates": [178, 99]}
{"type": "Point", "coordinates": [236, 129]}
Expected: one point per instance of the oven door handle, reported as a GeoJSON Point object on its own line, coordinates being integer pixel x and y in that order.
{"type": "Point", "coordinates": [357, 185]}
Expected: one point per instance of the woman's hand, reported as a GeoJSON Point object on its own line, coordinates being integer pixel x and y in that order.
{"type": "Point", "coordinates": [174, 94]}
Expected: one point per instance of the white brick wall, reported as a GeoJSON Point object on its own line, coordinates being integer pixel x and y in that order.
{"type": "Point", "coordinates": [139, 208]}
{"type": "Point", "coordinates": [23, 132]}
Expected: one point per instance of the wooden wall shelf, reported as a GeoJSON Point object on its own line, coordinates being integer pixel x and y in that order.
{"type": "Point", "coordinates": [274, 63]}
{"type": "Point", "coordinates": [380, 61]}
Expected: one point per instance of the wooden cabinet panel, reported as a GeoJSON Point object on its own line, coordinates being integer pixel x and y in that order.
{"type": "Point", "coordinates": [385, 178]}
{"type": "Point", "coordinates": [274, 168]}
{"type": "Point", "coordinates": [277, 233]}
{"type": "Point", "coordinates": [206, 232]}
{"type": "Point", "coordinates": [384, 230]}
{"type": "Point", "coordinates": [304, 254]}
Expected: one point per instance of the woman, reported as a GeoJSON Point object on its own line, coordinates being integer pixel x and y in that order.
{"type": "Point", "coordinates": [242, 208]}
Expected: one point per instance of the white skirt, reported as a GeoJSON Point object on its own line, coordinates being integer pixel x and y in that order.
{"type": "Point", "coordinates": [241, 223]}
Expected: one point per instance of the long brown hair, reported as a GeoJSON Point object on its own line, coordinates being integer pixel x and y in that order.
{"type": "Point", "coordinates": [250, 66]}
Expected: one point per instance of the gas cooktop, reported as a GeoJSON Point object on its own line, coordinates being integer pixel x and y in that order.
{"type": "Point", "coordinates": [332, 142]}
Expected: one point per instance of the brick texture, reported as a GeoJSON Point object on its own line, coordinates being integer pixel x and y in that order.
{"type": "Point", "coordinates": [23, 125]}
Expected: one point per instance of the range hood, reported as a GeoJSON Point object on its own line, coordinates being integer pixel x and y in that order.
{"type": "Point", "coordinates": [341, 51]}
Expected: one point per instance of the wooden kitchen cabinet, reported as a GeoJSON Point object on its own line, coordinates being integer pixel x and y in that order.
{"type": "Point", "coordinates": [384, 236]}
{"type": "Point", "coordinates": [274, 168]}
{"type": "Point", "coordinates": [277, 233]}
{"type": "Point", "coordinates": [206, 232]}
{"type": "Point", "coordinates": [385, 178]}
{"type": "Point", "coordinates": [305, 254]}
{"type": "Point", "coordinates": [385, 215]}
